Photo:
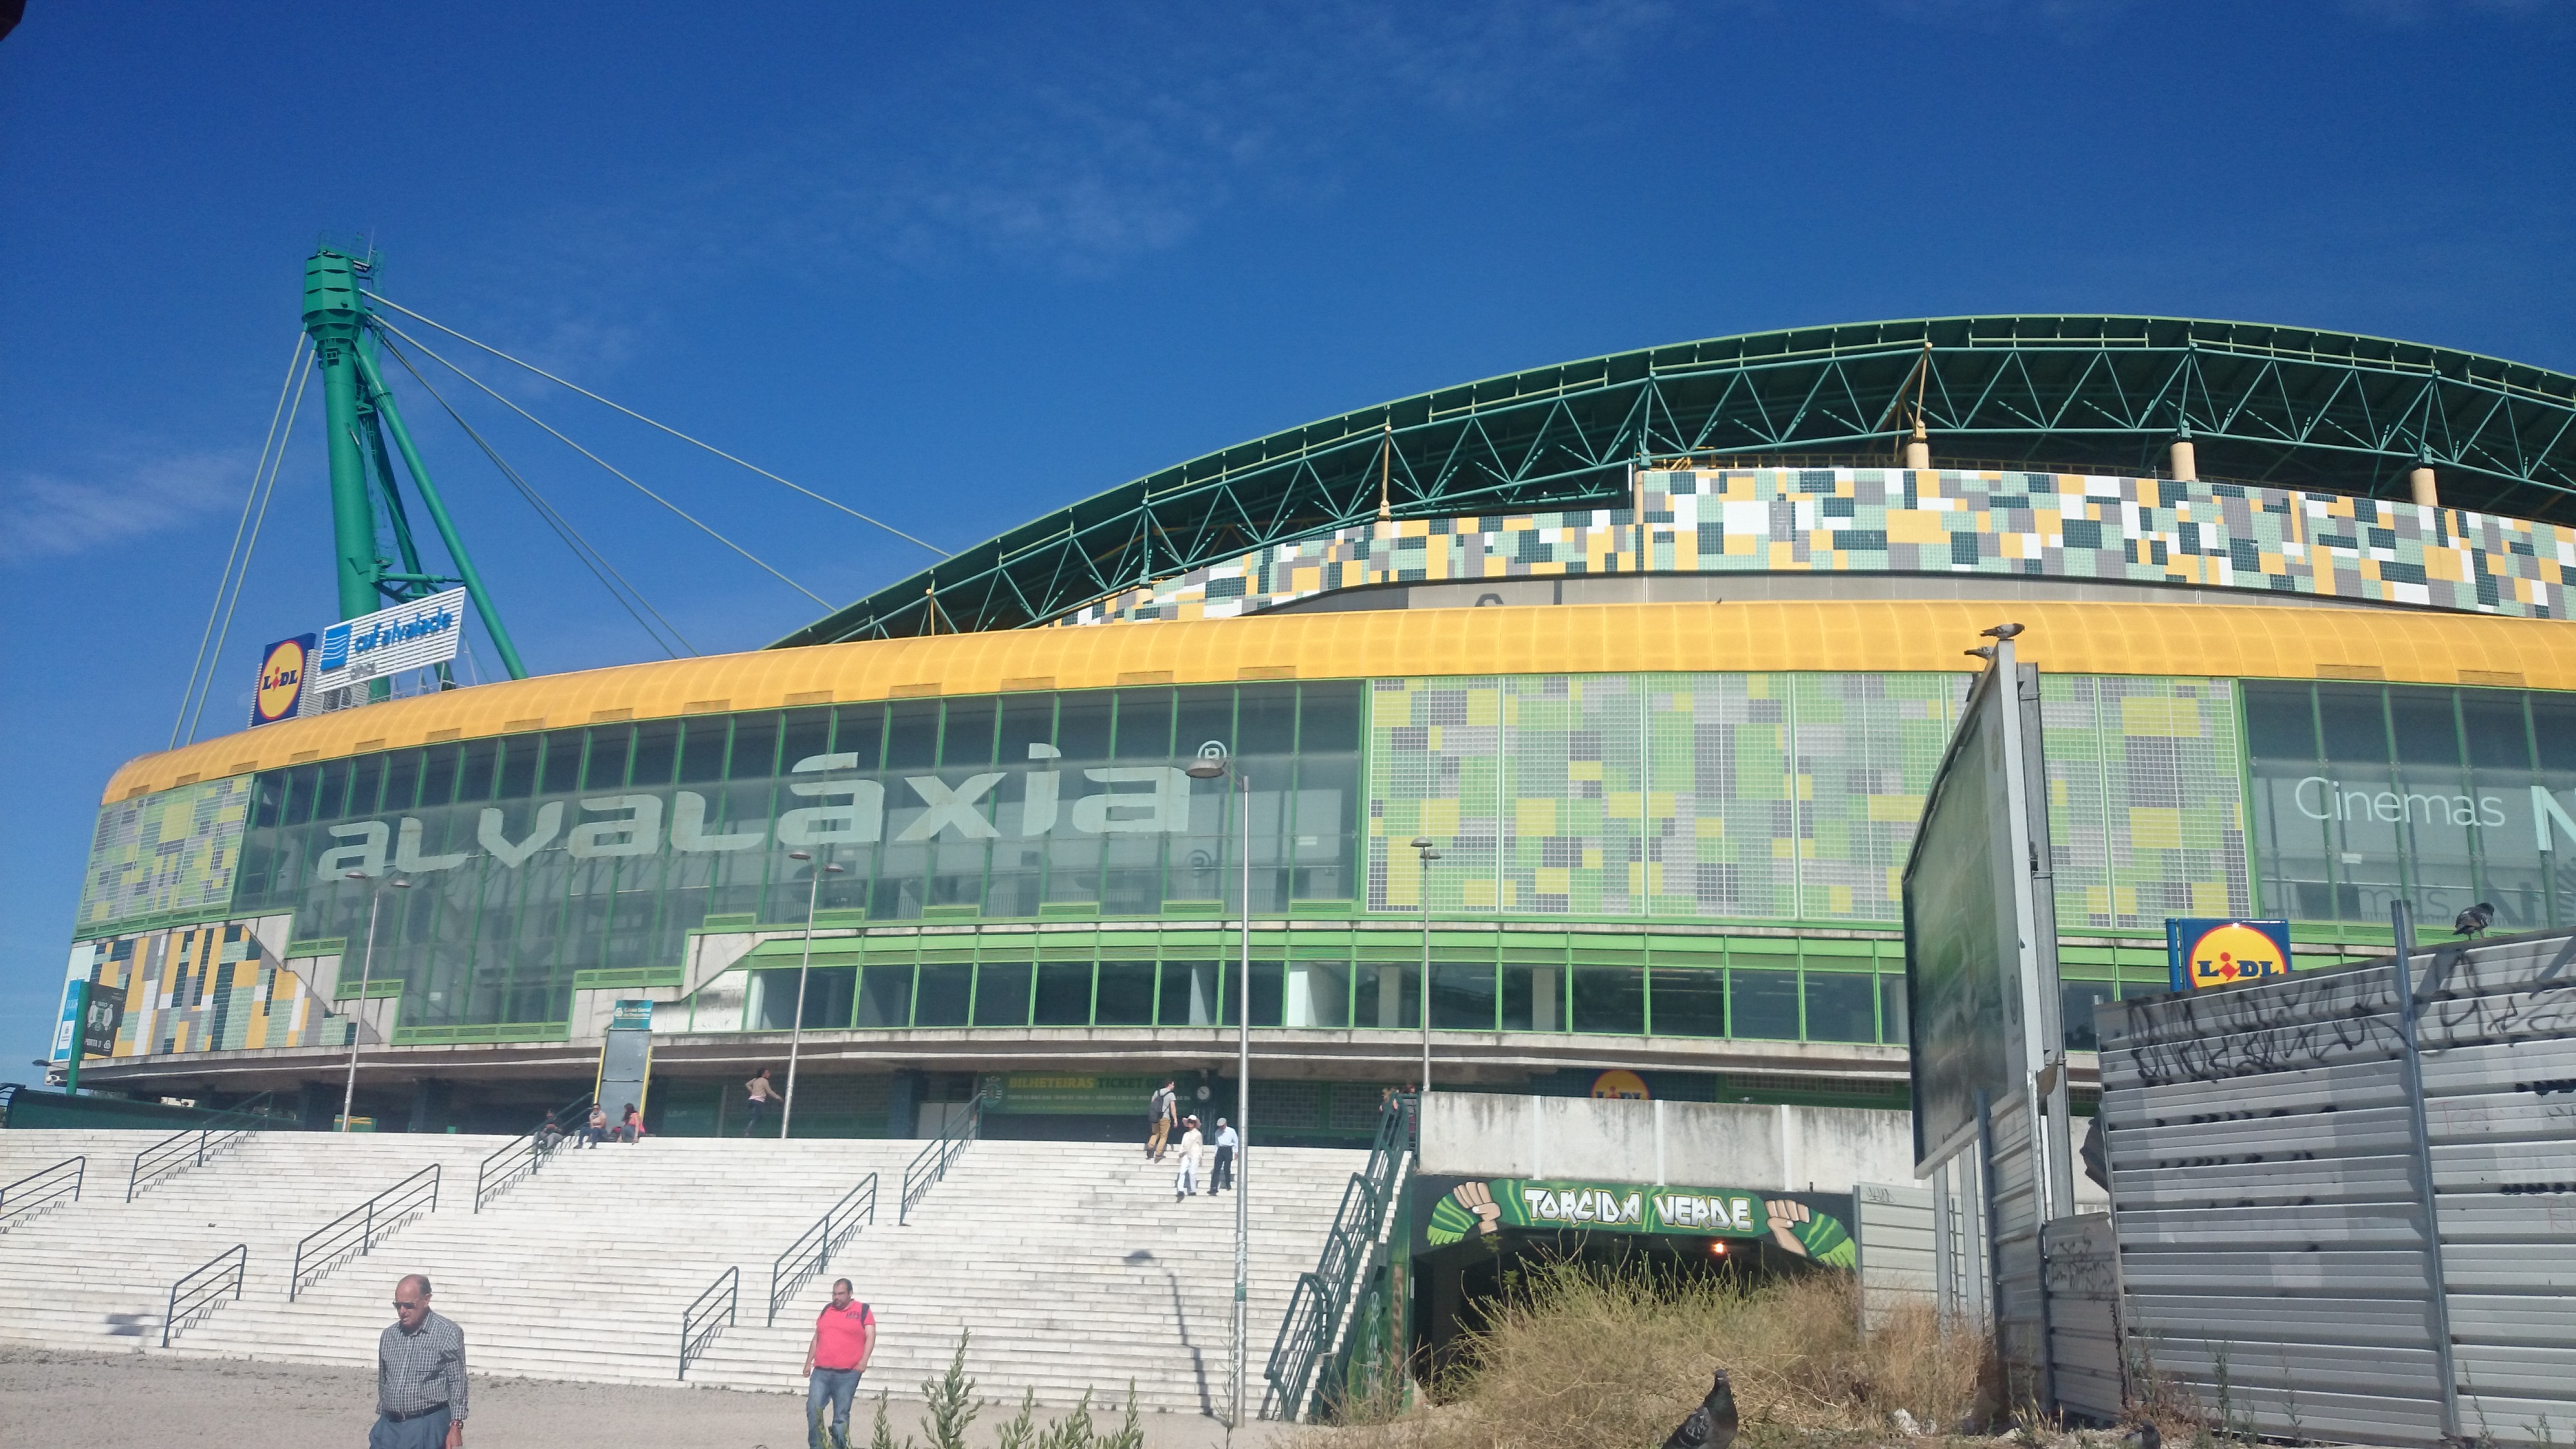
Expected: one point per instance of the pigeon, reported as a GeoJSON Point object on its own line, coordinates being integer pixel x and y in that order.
{"type": "Point", "coordinates": [2473, 921]}
{"type": "Point", "coordinates": [2148, 1438]}
{"type": "Point", "coordinates": [1712, 1424]}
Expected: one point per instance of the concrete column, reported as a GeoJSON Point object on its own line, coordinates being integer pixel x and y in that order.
{"type": "Point", "coordinates": [2180, 462]}
{"type": "Point", "coordinates": [1918, 449]}
{"type": "Point", "coordinates": [2420, 484]}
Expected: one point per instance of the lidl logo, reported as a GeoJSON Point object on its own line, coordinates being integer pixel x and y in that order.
{"type": "Point", "coordinates": [1620, 1083]}
{"type": "Point", "coordinates": [2221, 953]}
{"type": "Point", "coordinates": [282, 667]}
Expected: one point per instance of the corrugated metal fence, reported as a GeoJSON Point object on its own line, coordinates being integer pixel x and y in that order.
{"type": "Point", "coordinates": [2277, 1151]}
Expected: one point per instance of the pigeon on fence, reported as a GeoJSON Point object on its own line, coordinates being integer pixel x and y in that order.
{"type": "Point", "coordinates": [2473, 921]}
{"type": "Point", "coordinates": [1712, 1424]}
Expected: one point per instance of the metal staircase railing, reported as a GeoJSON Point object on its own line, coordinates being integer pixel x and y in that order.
{"type": "Point", "coordinates": [203, 1291]}
{"type": "Point", "coordinates": [811, 1253]}
{"type": "Point", "coordinates": [355, 1233]}
{"type": "Point", "coordinates": [43, 1189]}
{"type": "Point", "coordinates": [522, 1156]}
{"type": "Point", "coordinates": [195, 1146]}
{"type": "Point", "coordinates": [702, 1320]}
{"type": "Point", "coordinates": [932, 1162]}
{"type": "Point", "coordinates": [1318, 1314]}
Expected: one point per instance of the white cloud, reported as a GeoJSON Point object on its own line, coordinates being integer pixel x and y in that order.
{"type": "Point", "coordinates": [50, 515]}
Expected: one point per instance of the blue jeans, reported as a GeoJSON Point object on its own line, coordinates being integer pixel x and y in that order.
{"type": "Point", "coordinates": [832, 1386]}
{"type": "Point", "coordinates": [429, 1431]}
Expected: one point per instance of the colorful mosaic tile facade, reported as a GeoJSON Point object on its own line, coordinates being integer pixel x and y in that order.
{"type": "Point", "coordinates": [166, 853]}
{"type": "Point", "coordinates": [1892, 520]}
{"type": "Point", "coordinates": [209, 988]}
{"type": "Point", "coordinates": [1779, 797]}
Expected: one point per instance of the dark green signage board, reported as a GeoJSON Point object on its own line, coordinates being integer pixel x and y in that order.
{"type": "Point", "coordinates": [1805, 1225]}
{"type": "Point", "coordinates": [1068, 1093]}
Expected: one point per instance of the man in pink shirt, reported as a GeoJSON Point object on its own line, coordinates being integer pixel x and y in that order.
{"type": "Point", "coordinates": [845, 1334]}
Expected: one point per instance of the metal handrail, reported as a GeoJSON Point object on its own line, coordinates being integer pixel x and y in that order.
{"type": "Point", "coordinates": [177, 1153]}
{"type": "Point", "coordinates": [375, 1219]}
{"type": "Point", "coordinates": [227, 1268]}
{"type": "Point", "coordinates": [812, 1250]}
{"type": "Point", "coordinates": [42, 1194]}
{"type": "Point", "coordinates": [520, 1157]}
{"type": "Point", "coordinates": [1322, 1298]}
{"type": "Point", "coordinates": [931, 1164]}
{"type": "Point", "coordinates": [694, 1334]}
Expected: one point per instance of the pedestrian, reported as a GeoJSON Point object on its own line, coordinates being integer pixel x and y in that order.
{"type": "Point", "coordinates": [845, 1334]}
{"type": "Point", "coordinates": [761, 1094]}
{"type": "Point", "coordinates": [630, 1128]}
{"type": "Point", "coordinates": [1222, 1176]}
{"type": "Point", "coordinates": [420, 1375]}
{"type": "Point", "coordinates": [549, 1136]}
{"type": "Point", "coordinates": [1158, 1119]}
{"type": "Point", "coordinates": [595, 1130]}
{"type": "Point", "coordinates": [1187, 1183]}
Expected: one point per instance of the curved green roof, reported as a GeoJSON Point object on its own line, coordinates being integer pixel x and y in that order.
{"type": "Point", "coordinates": [2286, 406]}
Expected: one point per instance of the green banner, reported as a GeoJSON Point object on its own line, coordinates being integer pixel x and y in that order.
{"type": "Point", "coordinates": [1068, 1093]}
{"type": "Point", "coordinates": [1481, 1208]}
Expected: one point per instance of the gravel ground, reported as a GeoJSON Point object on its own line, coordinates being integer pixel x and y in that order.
{"type": "Point", "coordinates": [60, 1400]}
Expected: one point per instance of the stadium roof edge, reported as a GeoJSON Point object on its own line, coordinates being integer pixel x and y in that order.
{"type": "Point", "coordinates": [2263, 402]}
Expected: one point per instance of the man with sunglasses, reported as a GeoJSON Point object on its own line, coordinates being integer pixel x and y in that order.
{"type": "Point", "coordinates": [420, 1375]}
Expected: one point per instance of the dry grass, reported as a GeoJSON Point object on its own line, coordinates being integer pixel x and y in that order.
{"type": "Point", "coordinates": [1594, 1358]}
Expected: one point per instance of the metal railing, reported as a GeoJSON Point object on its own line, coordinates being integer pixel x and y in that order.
{"type": "Point", "coordinates": [1321, 1302]}
{"type": "Point", "coordinates": [520, 1157]}
{"type": "Point", "coordinates": [355, 1233]}
{"type": "Point", "coordinates": [44, 1188]}
{"type": "Point", "coordinates": [699, 1323]}
{"type": "Point", "coordinates": [203, 1291]}
{"type": "Point", "coordinates": [931, 1163]}
{"type": "Point", "coordinates": [194, 1146]}
{"type": "Point", "coordinates": [812, 1251]}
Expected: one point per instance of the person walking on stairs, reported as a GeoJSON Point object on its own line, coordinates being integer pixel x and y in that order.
{"type": "Point", "coordinates": [1158, 1120]}
{"type": "Point", "coordinates": [1221, 1176]}
{"type": "Point", "coordinates": [1187, 1184]}
{"type": "Point", "coordinates": [420, 1375]}
{"type": "Point", "coordinates": [845, 1334]}
{"type": "Point", "coordinates": [761, 1094]}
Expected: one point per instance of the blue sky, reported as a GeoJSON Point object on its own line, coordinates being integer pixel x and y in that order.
{"type": "Point", "coordinates": [958, 265]}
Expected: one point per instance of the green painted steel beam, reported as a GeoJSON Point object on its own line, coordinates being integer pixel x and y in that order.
{"type": "Point", "coordinates": [336, 319]}
{"type": "Point", "coordinates": [391, 417]}
{"type": "Point", "coordinates": [2283, 406]}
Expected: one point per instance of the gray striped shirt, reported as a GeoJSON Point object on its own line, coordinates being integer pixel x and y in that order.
{"type": "Point", "coordinates": [417, 1372]}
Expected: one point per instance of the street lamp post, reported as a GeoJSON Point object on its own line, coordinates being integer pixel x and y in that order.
{"type": "Point", "coordinates": [366, 976]}
{"type": "Point", "coordinates": [1422, 848]}
{"type": "Point", "coordinates": [796, 1027]}
{"type": "Point", "coordinates": [1208, 768]}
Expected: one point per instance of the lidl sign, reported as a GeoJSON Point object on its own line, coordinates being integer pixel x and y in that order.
{"type": "Point", "coordinates": [2204, 953]}
{"type": "Point", "coordinates": [283, 670]}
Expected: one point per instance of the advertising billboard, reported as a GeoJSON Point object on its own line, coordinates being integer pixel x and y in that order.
{"type": "Point", "coordinates": [407, 636]}
{"type": "Point", "coordinates": [2222, 953]}
{"type": "Point", "coordinates": [285, 668]}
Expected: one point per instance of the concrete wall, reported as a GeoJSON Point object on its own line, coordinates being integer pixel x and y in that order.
{"type": "Point", "coordinates": [1715, 1144]}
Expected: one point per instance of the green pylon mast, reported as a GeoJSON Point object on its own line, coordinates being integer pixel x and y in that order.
{"type": "Point", "coordinates": [360, 411]}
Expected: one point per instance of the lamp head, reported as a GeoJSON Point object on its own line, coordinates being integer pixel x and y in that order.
{"type": "Point", "coordinates": [1422, 842]}
{"type": "Point", "coordinates": [799, 855]}
{"type": "Point", "coordinates": [1204, 768]}
{"type": "Point", "coordinates": [831, 870]}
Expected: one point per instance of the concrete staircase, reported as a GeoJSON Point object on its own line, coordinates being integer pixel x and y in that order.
{"type": "Point", "coordinates": [1071, 1263]}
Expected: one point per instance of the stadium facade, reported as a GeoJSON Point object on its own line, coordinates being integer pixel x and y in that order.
{"type": "Point", "coordinates": [1660, 650]}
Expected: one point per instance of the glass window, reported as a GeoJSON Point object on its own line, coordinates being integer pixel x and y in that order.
{"type": "Point", "coordinates": [940, 999]}
{"type": "Point", "coordinates": [1064, 993]}
{"type": "Point", "coordinates": [1386, 998]}
{"type": "Point", "coordinates": [828, 990]}
{"type": "Point", "coordinates": [1689, 1001]}
{"type": "Point", "coordinates": [474, 771]}
{"type": "Point", "coordinates": [561, 774]}
{"type": "Point", "coordinates": [1318, 995]}
{"type": "Point", "coordinates": [804, 734]}
{"type": "Point", "coordinates": [1462, 995]}
{"type": "Point", "coordinates": [1891, 1010]}
{"type": "Point", "coordinates": [1268, 997]}
{"type": "Point", "coordinates": [1766, 1004]}
{"type": "Point", "coordinates": [1145, 724]}
{"type": "Point", "coordinates": [1125, 994]}
{"type": "Point", "coordinates": [1841, 1006]}
{"type": "Point", "coordinates": [609, 746]}
{"type": "Point", "coordinates": [1002, 993]}
{"type": "Point", "coordinates": [2075, 1012]}
{"type": "Point", "coordinates": [966, 734]}
{"type": "Point", "coordinates": [755, 747]}
{"type": "Point", "coordinates": [702, 750]}
{"type": "Point", "coordinates": [402, 780]}
{"type": "Point", "coordinates": [1189, 994]}
{"type": "Point", "coordinates": [1611, 999]}
{"type": "Point", "coordinates": [859, 729]}
{"type": "Point", "coordinates": [519, 766]}
{"type": "Point", "coordinates": [885, 996]}
{"type": "Point", "coordinates": [1533, 998]}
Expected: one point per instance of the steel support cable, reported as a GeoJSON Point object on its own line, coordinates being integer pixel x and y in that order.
{"type": "Point", "coordinates": [487, 391]}
{"type": "Point", "coordinates": [277, 465]}
{"type": "Point", "coordinates": [223, 581]}
{"type": "Point", "coordinates": [665, 427]}
{"type": "Point", "coordinates": [582, 548]}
